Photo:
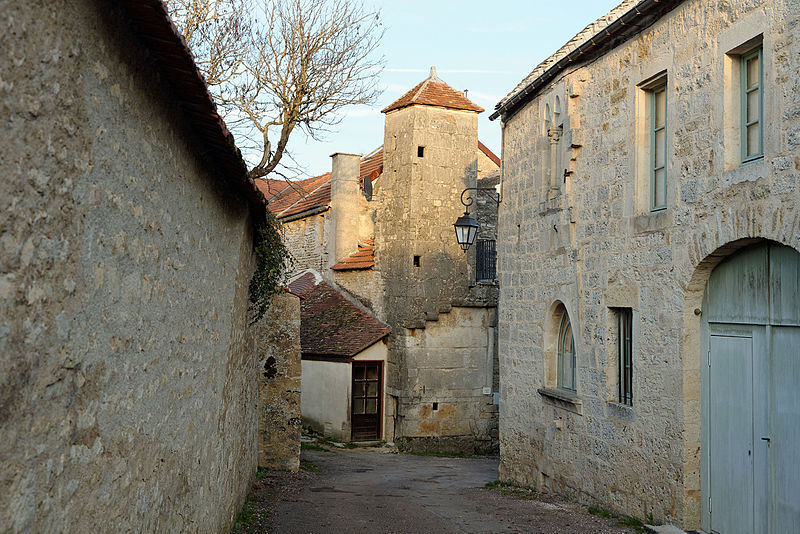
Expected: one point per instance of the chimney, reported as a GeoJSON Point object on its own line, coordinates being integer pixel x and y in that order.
{"type": "Point", "coordinates": [345, 202]}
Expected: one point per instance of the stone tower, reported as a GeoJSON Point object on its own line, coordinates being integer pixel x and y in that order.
{"type": "Point", "coordinates": [430, 156]}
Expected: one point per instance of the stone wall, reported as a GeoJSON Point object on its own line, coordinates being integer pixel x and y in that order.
{"type": "Point", "coordinates": [307, 242]}
{"type": "Point", "coordinates": [128, 391]}
{"type": "Point", "coordinates": [451, 363]}
{"type": "Point", "coordinates": [591, 243]}
{"type": "Point", "coordinates": [486, 207]}
{"type": "Point", "coordinates": [277, 338]}
{"type": "Point", "coordinates": [425, 273]}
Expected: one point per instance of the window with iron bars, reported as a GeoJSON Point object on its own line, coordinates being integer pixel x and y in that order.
{"type": "Point", "coordinates": [485, 260]}
{"type": "Point", "coordinates": [625, 354]}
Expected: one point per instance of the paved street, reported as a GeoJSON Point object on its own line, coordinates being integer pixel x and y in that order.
{"type": "Point", "coordinates": [366, 490]}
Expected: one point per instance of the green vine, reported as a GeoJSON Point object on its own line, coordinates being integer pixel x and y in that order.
{"type": "Point", "coordinates": [273, 261]}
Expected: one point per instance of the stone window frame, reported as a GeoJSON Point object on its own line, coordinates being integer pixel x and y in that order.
{"type": "Point", "coordinates": [552, 393]}
{"type": "Point", "coordinates": [652, 75]}
{"type": "Point", "coordinates": [736, 92]}
{"type": "Point", "coordinates": [743, 36]}
{"type": "Point", "coordinates": [566, 349]}
{"type": "Point", "coordinates": [647, 130]}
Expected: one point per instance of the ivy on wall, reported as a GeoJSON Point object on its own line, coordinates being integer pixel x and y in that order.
{"type": "Point", "coordinates": [273, 261]}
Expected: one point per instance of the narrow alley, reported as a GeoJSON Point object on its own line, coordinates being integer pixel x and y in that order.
{"type": "Point", "coordinates": [375, 490]}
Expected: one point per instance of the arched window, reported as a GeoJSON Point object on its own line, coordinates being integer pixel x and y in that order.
{"type": "Point", "coordinates": [557, 113]}
{"type": "Point", "coordinates": [546, 119]}
{"type": "Point", "coordinates": [566, 354]}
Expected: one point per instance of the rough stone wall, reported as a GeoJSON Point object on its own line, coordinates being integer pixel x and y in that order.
{"type": "Point", "coordinates": [366, 286]}
{"type": "Point", "coordinates": [486, 167]}
{"type": "Point", "coordinates": [449, 366]}
{"type": "Point", "coordinates": [307, 242]}
{"type": "Point", "coordinates": [486, 207]}
{"type": "Point", "coordinates": [128, 391]}
{"type": "Point", "coordinates": [593, 244]}
{"type": "Point", "coordinates": [277, 338]}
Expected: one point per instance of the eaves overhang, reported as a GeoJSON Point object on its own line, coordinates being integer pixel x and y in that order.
{"type": "Point", "coordinates": [635, 20]}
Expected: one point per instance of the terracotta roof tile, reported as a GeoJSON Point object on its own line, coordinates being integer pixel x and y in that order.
{"type": "Point", "coordinates": [285, 198]}
{"type": "Point", "coordinates": [363, 259]}
{"type": "Point", "coordinates": [434, 92]}
{"type": "Point", "coordinates": [297, 196]}
{"type": "Point", "coordinates": [372, 164]}
{"type": "Point", "coordinates": [330, 324]}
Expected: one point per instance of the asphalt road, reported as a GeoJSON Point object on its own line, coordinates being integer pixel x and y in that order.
{"type": "Point", "coordinates": [367, 491]}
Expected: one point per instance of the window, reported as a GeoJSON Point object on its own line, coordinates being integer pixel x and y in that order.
{"type": "Point", "coordinates": [625, 354]}
{"type": "Point", "coordinates": [420, 151]}
{"type": "Point", "coordinates": [566, 354]}
{"type": "Point", "coordinates": [546, 123]}
{"type": "Point", "coordinates": [416, 261]}
{"type": "Point", "coordinates": [657, 119]}
{"type": "Point", "coordinates": [752, 77]}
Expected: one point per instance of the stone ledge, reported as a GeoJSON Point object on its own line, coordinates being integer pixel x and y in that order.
{"type": "Point", "coordinates": [620, 411]}
{"type": "Point", "coordinates": [562, 399]}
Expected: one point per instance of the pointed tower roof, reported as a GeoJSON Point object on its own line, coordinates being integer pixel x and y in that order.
{"type": "Point", "coordinates": [434, 92]}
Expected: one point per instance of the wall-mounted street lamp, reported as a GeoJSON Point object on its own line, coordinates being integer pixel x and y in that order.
{"type": "Point", "coordinates": [467, 227]}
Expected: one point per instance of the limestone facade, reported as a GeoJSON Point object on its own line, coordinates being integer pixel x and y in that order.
{"type": "Point", "coordinates": [128, 393]}
{"type": "Point", "coordinates": [577, 233]}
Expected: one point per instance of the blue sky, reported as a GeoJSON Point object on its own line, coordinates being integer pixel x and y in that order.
{"type": "Point", "coordinates": [485, 47]}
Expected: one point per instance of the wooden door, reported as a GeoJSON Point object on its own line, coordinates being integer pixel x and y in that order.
{"type": "Point", "coordinates": [784, 430]}
{"type": "Point", "coordinates": [731, 434]}
{"type": "Point", "coordinates": [366, 402]}
{"type": "Point", "coordinates": [751, 393]}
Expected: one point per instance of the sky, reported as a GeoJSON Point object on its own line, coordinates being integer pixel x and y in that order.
{"type": "Point", "coordinates": [486, 47]}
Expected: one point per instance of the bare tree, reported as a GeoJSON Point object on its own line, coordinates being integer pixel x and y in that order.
{"type": "Point", "coordinates": [278, 65]}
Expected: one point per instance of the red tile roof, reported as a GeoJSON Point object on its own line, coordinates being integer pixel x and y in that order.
{"type": "Point", "coordinates": [296, 196]}
{"type": "Point", "coordinates": [285, 198]}
{"type": "Point", "coordinates": [330, 323]}
{"type": "Point", "coordinates": [372, 164]}
{"type": "Point", "coordinates": [363, 259]}
{"type": "Point", "coordinates": [489, 154]}
{"type": "Point", "coordinates": [434, 92]}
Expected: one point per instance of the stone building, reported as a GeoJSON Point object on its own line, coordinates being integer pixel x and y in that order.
{"type": "Point", "coordinates": [380, 228]}
{"type": "Point", "coordinates": [128, 389]}
{"type": "Point", "coordinates": [647, 254]}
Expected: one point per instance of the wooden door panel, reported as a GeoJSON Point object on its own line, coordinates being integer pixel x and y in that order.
{"type": "Point", "coordinates": [785, 429]}
{"type": "Point", "coordinates": [731, 434]}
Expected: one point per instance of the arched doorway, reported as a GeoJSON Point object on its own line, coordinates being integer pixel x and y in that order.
{"type": "Point", "coordinates": [750, 389]}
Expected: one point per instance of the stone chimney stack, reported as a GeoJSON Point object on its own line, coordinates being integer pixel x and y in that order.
{"type": "Point", "coordinates": [345, 202]}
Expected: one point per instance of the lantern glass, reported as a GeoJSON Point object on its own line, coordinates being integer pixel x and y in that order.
{"type": "Point", "coordinates": [466, 230]}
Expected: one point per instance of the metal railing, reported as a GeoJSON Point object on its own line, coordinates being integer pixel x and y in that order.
{"type": "Point", "coordinates": [485, 260]}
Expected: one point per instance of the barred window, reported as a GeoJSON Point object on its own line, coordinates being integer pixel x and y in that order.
{"type": "Point", "coordinates": [485, 260]}
{"type": "Point", "coordinates": [625, 354]}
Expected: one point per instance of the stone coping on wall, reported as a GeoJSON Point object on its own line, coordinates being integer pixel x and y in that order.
{"type": "Point", "coordinates": [562, 399]}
